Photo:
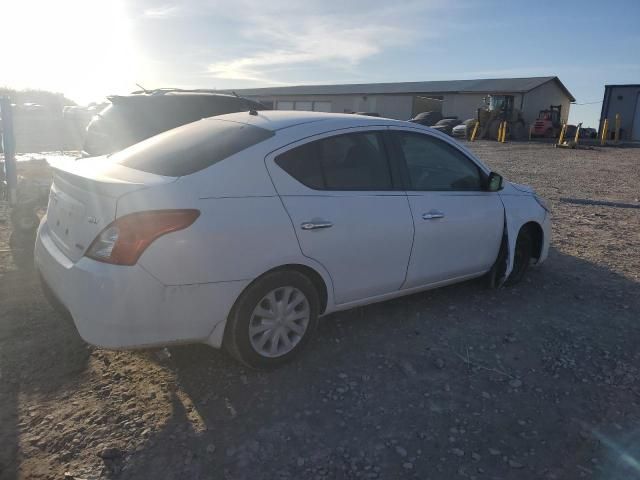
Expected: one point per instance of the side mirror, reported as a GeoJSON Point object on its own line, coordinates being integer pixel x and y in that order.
{"type": "Point", "coordinates": [494, 183]}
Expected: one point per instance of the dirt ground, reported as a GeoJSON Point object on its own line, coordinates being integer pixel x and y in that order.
{"type": "Point", "coordinates": [538, 381]}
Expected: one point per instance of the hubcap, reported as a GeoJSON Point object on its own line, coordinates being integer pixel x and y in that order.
{"type": "Point", "coordinates": [279, 321]}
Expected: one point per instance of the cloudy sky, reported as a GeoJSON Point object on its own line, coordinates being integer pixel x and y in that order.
{"type": "Point", "coordinates": [90, 48]}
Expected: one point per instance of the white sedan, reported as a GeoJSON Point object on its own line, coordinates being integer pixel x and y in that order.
{"type": "Point", "coordinates": [241, 230]}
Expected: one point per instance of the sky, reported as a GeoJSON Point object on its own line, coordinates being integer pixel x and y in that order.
{"type": "Point", "coordinates": [88, 49]}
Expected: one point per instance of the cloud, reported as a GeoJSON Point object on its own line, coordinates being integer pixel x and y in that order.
{"type": "Point", "coordinates": [319, 46]}
{"type": "Point", "coordinates": [316, 35]}
{"type": "Point", "coordinates": [163, 11]}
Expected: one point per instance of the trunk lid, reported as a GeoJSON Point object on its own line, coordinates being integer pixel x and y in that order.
{"type": "Point", "coordinates": [84, 196]}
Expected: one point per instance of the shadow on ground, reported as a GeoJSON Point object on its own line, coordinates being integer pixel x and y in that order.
{"type": "Point", "coordinates": [40, 352]}
{"type": "Point", "coordinates": [537, 381]}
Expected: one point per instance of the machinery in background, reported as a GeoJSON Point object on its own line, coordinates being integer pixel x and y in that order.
{"type": "Point", "coordinates": [24, 196]}
{"type": "Point", "coordinates": [497, 110]}
{"type": "Point", "coordinates": [549, 122]}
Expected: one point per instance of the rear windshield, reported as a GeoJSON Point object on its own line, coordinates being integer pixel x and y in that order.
{"type": "Point", "coordinates": [190, 148]}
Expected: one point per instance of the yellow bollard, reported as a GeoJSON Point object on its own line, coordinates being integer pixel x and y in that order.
{"type": "Point", "coordinates": [504, 132]}
{"type": "Point", "coordinates": [605, 130]}
{"type": "Point", "coordinates": [562, 132]}
{"type": "Point", "coordinates": [617, 134]}
{"type": "Point", "coordinates": [475, 131]}
{"type": "Point", "coordinates": [577, 137]}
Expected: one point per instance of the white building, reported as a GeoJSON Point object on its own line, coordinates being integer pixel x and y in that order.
{"type": "Point", "coordinates": [460, 98]}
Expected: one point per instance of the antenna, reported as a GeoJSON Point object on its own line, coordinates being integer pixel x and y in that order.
{"type": "Point", "coordinates": [252, 110]}
{"type": "Point", "coordinates": [143, 89]}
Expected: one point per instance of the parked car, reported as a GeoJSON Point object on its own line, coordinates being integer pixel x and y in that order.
{"type": "Point", "coordinates": [241, 230]}
{"type": "Point", "coordinates": [427, 118]}
{"type": "Point", "coordinates": [129, 119]}
{"type": "Point", "coordinates": [464, 129]}
{"type": "Point", "coordinates": [446, 125]}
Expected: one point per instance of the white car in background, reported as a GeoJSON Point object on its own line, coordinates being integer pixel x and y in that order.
{"type": "Point", "coordinates": [241, 230]}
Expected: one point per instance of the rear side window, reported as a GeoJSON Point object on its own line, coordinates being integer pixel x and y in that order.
{"type": "Point", "coordinates": [355, 161]}
{"type": "Point", "coordinates": [190, 148]}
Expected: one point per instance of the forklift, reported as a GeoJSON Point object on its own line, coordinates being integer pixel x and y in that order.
{"type": "Point", "coordinates": [549, 122]}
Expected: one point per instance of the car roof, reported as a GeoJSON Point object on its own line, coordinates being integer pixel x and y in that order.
{"type": "Point", "coordinates": [173, 95]}
{"type": "Point", "coordinates": [278, 119]}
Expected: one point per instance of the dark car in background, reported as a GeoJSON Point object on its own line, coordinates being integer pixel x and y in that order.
{"type": "Point", "coordinates": [129, 119]}
{"type": "Point", "coordinates": [446, 125]}
{"type": "Point", "coordinates": [427, 118]}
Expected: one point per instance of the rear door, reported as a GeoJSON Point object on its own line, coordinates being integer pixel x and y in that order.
{"type": "Point", "coordinates": [458, 224]}
{"type": "Point", "coordinates": [348, 210]}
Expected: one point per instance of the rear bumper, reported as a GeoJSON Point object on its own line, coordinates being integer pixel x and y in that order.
{"type": "Point", "coordinates": [125, 307]}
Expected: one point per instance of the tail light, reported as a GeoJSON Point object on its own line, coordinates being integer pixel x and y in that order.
{"type": "Point", "coordinates": [124, 240]}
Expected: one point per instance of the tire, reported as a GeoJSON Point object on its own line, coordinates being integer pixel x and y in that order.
{"type": "Point", "coordinates": [493, 129]}
{"type": "Point", "coordinates": [272, 294]}
{"type": "Point", "coordinates": [522, 258]}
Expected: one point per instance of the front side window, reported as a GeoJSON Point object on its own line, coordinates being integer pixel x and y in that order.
{"type": "Point", "coordinates": [434, 165]}
{"type": "Point", "coordinates": [355, 161]}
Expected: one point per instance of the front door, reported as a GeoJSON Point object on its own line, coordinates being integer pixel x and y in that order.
{"type": "Point", "coordinates": [458, 224]}
{"type": "Point", "coordinates": [347, 211]}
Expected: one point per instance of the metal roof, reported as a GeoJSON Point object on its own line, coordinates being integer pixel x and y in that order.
{"type": "Point", "coordinates": [490, 85]}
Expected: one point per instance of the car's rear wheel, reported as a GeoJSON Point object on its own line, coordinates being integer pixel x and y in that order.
{"type": "Point", "coordinates": [521, 257]}
{"type": "Point", "coordinates": [272, 320]}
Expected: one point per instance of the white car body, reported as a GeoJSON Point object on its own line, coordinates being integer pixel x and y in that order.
{"type": "Point", "coordinates": [185, 283]}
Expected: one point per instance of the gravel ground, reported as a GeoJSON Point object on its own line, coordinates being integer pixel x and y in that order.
{"type": "Point", "coordinates": [535, 381]}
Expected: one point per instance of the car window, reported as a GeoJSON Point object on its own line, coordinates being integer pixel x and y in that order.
{"type": "Point", "coordinates": [190, 148]}
{"type": "Point", "coordinates": [355, 161]}
{"type": "Point", "coordinates": [434, 165]}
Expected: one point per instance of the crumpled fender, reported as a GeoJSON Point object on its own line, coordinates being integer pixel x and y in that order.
{"type": "Point", "coordinates": [511, 229]}
{"type": "Point", "coordinates": [519, 208]}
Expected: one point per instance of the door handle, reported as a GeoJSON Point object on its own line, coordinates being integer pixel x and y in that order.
{"type": "Point", "coordinates": [432, 215]}
{"type": "Point", "coordinates": [315, 225]}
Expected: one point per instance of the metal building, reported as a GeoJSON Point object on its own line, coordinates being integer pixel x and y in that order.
{"type": "Point", "coordinates": [623, 100]}
{"type": "Point", "coordinates": [460, 98]}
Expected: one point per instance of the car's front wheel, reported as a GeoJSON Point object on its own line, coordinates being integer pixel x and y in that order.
{"type": "Point", "coordinates": [272, 320]}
